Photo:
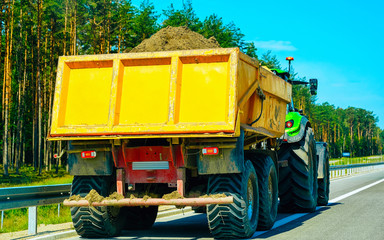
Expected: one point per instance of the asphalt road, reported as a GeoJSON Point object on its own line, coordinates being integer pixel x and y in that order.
{"type": "Point", "coordinates": [357, 212]}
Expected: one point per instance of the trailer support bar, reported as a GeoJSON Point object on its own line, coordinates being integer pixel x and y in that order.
{"type": "Point", "coordinates": [152, 202]}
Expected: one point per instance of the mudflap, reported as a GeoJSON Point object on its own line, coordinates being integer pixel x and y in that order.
{"type": "Point", "coordinates": [229, 160]}
{"type": "Point", "coordinates": [99, 165]}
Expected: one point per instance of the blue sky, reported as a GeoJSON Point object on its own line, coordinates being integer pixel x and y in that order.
{"type": "Point", "coordinates": [339, 42]}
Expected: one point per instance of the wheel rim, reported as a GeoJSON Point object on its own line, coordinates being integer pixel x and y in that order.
{"type": "Point", "coordinates": [250, 199]}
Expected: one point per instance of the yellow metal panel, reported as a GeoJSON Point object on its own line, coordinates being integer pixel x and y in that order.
{"type": "Point", "coordinates": [275, 85]}
{"type": "Point", "coordinates": [204, 93]}
{"type": "Point", "coordinates": [145, 94]}
{"type": "Point", "coordinates": [174, 92]}
{"type": "Point", "coordinates": [114, 110]}
{"type": "Point", "coordinates": [246, 77]}
{"type": "Point", "coordinates": [88, 97]}
{"type": "Point", "coordinates": [141, 136]}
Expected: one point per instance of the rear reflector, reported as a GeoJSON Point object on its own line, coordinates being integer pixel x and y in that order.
{"type": "Point", "coordinates": [210, 151]}
{"type": "Point", "coordinates": [289, 124]}
{"type": "Point", "coordinates": [88, 154]}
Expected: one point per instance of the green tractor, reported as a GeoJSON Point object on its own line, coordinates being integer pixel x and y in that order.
{"type": "Point", "coordinates": [303, 162]}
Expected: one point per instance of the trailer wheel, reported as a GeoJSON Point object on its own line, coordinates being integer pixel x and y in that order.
{"type": "Point", "coordinates": [140, 218]}
{"type": "Point", "coordinates": [95, 222]}
{"type": "Point", "coordinates": [298, 180]}
{"type": "Point", "coordinates": [323, 190]}
{"type": "Point", "coordinates": [268, 191]}
{"type": "Point", "coordinates": [239, 219]}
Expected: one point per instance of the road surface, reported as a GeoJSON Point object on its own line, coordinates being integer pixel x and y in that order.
{"type": "Point", "coordinates": [356, 212]}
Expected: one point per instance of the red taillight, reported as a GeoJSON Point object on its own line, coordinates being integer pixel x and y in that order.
{"type": "Point", "coordinates": [210, 151]}
{"type": "Point", "coordinates": [289, 124]}
{"type": "Point", "coordinates": [88, 154]}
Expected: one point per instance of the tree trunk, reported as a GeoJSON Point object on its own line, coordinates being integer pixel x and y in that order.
{"type": "Point", "coordinates": [7, 86]}
{"type": "Point", "coordinates": [65, 28]}
{"type": "Point", "coordinates": [38, 78]}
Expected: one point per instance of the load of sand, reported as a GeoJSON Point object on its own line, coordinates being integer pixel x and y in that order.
{"type": "Point", "coordinates": [175, 38]}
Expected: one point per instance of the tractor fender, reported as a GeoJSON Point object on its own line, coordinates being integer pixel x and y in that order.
{"type": "Point", "coordinates": [297, 132]}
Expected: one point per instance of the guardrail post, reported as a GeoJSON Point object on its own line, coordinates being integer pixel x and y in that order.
{"type": "Point", "coordinates": [32, 220]}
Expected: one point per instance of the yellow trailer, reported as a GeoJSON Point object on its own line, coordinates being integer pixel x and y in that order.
{"type": "Point", "coordinates": [147, 124]}
{"type": "Point", "coordinates": [194, 93]}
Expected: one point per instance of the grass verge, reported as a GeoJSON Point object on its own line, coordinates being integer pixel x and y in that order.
{"type": "Point", "coordinates": [355, 160]}
{"type": "Point", "coordinates": [17, 219]}
{"type": "Point", "coordinates": [28, 176]}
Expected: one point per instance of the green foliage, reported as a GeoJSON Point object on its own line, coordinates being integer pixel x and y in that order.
{"type": "Point", "coordinates": [27, 176]}
{"type": "Point", "coordinates": [251, 50]}
{"type": "Point", "coordinates": [184, 17]}
{"type": "Point", "coordinates": [270, 61]}
{"type": "Point", "coordinates": [355, 160]}
{"type": "Point", "coordinates": [351, 130]}
{"type": "Point", "coordinates": [145, 22]}
{"type": "Point", "coordinates": [228, 35]}
{"type": "Point", "coordinates": [123, 39]}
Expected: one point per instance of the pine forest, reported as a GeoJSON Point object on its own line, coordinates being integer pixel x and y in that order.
{"type": "Point", "coordinates": [34, 33]}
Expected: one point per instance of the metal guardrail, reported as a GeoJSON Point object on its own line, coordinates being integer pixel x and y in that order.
{"type": "Point", "coordinates": [20, 197]}
{"type": "Point", "coordinates": [350, 169]}
{"type": "Point", "coordinates": [31, 197]}
{"type": "Point", "coordinates": [341, 167]}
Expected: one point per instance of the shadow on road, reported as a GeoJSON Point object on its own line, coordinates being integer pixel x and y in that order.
{"type": "Point", "coordinates": [196, 227]}
{"type": "Point", "coordinates": [293, 224]}
{"type": "Point", "coordinates": [192, 227]}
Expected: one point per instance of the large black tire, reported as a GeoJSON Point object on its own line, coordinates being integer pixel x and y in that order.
{"type": "Point", "coordinates": [298, 180]}
{"type": "Point", "coordinates": [140, 218]}
{"type": "Point", "coordinates": [95, 222]}
{"type": "Point", "coordinates": [323, 183]}
{"type": "Point", "coordinates": [239, 219]}
{"type": "Point", "coordinates": [268, 191]}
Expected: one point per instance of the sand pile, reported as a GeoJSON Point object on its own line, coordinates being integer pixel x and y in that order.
{"type": "Point", "coordinates": [94, 196]}
{"type": "Point", "coordinates": [172, 195]}
{"type": "Point", "coordinates": [175, 38]}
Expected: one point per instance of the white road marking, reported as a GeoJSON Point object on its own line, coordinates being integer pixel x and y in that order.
{"type": "Point", "coordinates": [335, 200]}
{"type": "Point", "coordinates": [60, 235]}
{"type": "Point", "coordinates": [299, 215]}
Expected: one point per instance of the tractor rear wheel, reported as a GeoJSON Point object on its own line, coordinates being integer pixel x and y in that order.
{"type": "Point", "coordinates": [95, 222]}
{"type": "Point", "coordinates": [238, 219]}
{"type": "Point", "coordinates": [298, 180]}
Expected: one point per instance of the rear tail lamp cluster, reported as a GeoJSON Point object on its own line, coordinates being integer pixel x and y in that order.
{"type": "Point", "coordinates": [289, 124]}
{"type": "Point", "coordinates": [210, 151]}
{"type": "Point", "coordinates": [88, 154]}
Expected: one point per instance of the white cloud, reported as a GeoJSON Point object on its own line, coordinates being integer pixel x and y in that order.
{"type": "Point", "coordinates": [275, 45]}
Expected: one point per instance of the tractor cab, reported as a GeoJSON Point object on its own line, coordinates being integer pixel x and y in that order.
{"type": "Point", "coordinates": [283, 74]}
